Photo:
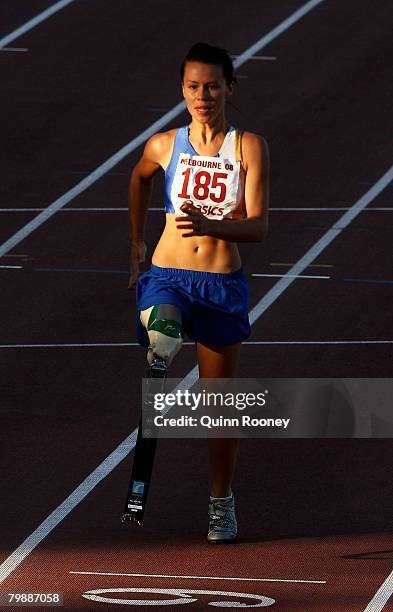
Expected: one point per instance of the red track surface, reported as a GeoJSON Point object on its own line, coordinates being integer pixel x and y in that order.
{"type": "Point", "coordinates": [314, 510]}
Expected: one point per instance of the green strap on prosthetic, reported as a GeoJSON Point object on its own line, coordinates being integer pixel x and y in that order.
{"type": "Point", "coordinates": [165, 326]}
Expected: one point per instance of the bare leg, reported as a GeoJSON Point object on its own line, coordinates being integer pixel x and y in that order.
{"type": "Point", "coordinates": [220, 362]}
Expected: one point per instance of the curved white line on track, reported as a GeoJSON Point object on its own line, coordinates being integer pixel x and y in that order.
{"type": "Point", "coordinates": [182, 596]}
{"type": "Point", "coordinates": [32, 23]}
{"type": "Point", "coordinates": [89, 180]}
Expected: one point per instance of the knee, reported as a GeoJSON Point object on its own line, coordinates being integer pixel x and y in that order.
{"type": "Point", "coordinates": [163, 323]}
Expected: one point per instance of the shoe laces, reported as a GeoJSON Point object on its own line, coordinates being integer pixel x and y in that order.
{"type": "Point", "coordinates": [221, 514]}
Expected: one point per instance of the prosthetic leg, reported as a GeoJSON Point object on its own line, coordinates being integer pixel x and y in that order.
{"type": "Point", "coordinates": [164, 327]}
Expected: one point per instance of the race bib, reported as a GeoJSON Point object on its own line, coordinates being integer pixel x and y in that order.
{"type": "Point", "coordinates": [211, 183]}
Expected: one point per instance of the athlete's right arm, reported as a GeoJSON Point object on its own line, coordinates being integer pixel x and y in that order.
{"type": "Point", "coordinates": [138, 199]}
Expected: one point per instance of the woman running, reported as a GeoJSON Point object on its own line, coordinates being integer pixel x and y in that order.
{"type": "Point", "coordinates": [216, 194]}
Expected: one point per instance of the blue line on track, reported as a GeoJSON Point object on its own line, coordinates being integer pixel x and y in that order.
{"type": "Point", "coordinates": [109, 271]}
{"type": "Point", "coordinates": [382, 281]}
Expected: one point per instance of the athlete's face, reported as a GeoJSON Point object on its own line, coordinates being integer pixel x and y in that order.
{"type": "Point", "coordinates": [205, 91]}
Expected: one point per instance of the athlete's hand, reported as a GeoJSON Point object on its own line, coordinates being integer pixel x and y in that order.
{"type": "Point", "coordinates": [137, 256]}
{"type": "Point", "coordinates": [194, 221]}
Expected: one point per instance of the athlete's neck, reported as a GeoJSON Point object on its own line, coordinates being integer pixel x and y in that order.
{"type": "Point", "coordinates": [206, 134]}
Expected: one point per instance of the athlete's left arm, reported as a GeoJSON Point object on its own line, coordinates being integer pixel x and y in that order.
{"type": "Point", "coordinates": [254, 227]}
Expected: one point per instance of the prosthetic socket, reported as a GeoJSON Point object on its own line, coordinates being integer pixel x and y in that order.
{"type": "Point", "coordinates": [163, 323]}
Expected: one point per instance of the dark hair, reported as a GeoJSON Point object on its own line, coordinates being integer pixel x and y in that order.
{"type": "Point", "coordinates": [207, 54]}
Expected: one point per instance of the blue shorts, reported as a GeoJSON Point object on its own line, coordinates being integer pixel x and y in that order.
{"type": "Point", "coordinates": [214, 305]}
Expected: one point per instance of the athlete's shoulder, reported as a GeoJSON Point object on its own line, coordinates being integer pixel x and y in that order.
{"type": "Point", "coordinates": [157, 146]}
{"type": "Point", "coordinates": [254, 148]}
{"type": "Point", "coordinates": [252, 140]}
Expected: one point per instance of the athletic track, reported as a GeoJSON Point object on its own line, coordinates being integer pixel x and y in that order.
{"type": "Point", "coordinates": [83, 86]}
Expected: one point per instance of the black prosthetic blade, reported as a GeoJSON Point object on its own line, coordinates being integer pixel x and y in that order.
{"type": "Point", "coordinates": [142, 466]}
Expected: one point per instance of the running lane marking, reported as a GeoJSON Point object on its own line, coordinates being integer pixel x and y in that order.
{"type": "Point", "coordinates": [258, 57]}
{"type": "Point", "coordinates": [17, 49]}
{"type": "Point", "coordinates": [89, 180]}
{"type": "Point", "coordinates": [78, 495]}
{"type": "Point", "coordinates": [312, 254]}
{"type": "Point", "coordinates": [201, 577]}
{"type": "Point", "coordinates": [32, 23]}
{"type": "Point", "coordinates": [80, 187]}
{"type": "Point", "coordinates": [298, 276]}
{"type": "Point", "coordinates": [108, 465]}
{"type": "Point", "coordinates": [248, 342]}
{"type": "Point", "coordinates": [382, 596]}
{"type": "Point", "coordinates": [278, 263]}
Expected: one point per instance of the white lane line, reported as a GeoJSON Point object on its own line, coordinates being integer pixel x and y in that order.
{"type": "Point", "coordinates": [329, 209]}
{"type": "Point", "coordinates": [70, 209]}
{"type": "Point", "coordinates": [382, 596]}
{"type": "Point", "coordinates": [274, 293]}
{"type": "Point", "coordinates": [17, 49]}
{"type": "Point", "coordinates": [161, 209]}
{"type": "Point", "coordinates": [282, 27]}
{"type": "Point", "coordinates": [201, 577]}
{"type": "Point", "coordinates": [247, 342]}
{"type": "Point", "coordinates": [116, 173]}
{"type": "Point", "coordinates": [89, 180]}
{"type": "Point", "coordinates": [258, 57]}
{"type": "Point", "coordinates": [32, 225]}
{"type": "Point", "coordinates": [258, 275]}
{"type": "Point", "coordinates": [288, 342]}
{"type": "Point", "coordinates": [290, 275]}
{"type": "Point", "coordinates": [32, 23]}
{"type": "Point", "coordinates": [279, 263]}
{"type": "Point", "coordinates": [264, 57]}
{"type": "Point", "coordinates": [73, 345]}
{"type": "Point", "coordinates": [88, 484]}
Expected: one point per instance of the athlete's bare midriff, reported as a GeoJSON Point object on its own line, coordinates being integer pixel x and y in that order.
{"type": "Point", "coordinates": [203, 253]}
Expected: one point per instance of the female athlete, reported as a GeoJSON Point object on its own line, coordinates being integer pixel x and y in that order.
{"type": "Point", "coordinates": [216, 194]}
